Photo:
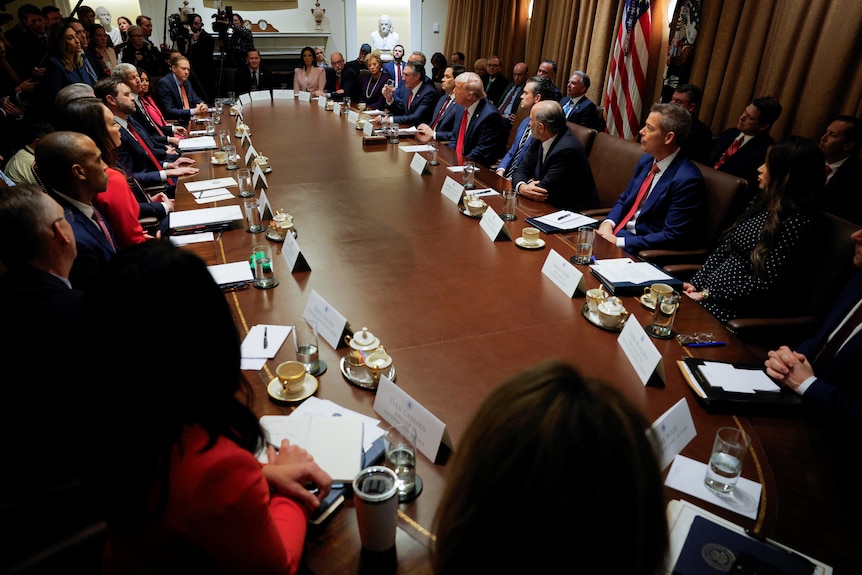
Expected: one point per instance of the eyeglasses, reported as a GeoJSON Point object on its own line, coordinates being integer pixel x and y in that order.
{"type": "Point", "coordinates": [688, 339]}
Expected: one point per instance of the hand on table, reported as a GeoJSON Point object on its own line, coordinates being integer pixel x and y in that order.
{"type": "Point", "coordinates": [180, 162]}
{"type": "Point", "coordinates": [533, 191]}
{"type": "Point", "coordinates": [788, 367]}
{"type": "Point", "coordinates": [692, 292]}
{"type": "Point", "coordinates": [606, 230]}
{"type": "Point", "coordinates": [201, 109]}
{"type": "Point", "coordinates": [291, 469]}
{"type": "Point", "coordinates": [424, 133]}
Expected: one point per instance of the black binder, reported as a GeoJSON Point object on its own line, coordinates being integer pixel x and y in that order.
{"type": "Point", "coordinates": [625, 289]}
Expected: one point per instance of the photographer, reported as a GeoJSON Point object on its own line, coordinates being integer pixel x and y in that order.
{"type": "Point", "coordinates": [237, 38]}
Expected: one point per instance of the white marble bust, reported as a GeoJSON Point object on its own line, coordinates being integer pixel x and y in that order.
{"type": "Point", "coordinates": [384, 38]}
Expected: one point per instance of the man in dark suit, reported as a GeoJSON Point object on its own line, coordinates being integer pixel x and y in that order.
{"type": "Point", "coordinates": [252, 76]}
{"type": "Point", "coordinates": [510, 101]}
{"type": "Point", "coordinates": [840, 146]}
{"type": "Point", "coordinates": [537, 89]}
{"type": "Point", "coordinates": [162, 134]}
{"type": "Point", "coordinates": [341, 82]}
{"type": "Point", "coordinates": [555, 169]}
{"type": "Point", "coordinates": [445, 112]}
{"type": "Point", "coordinates": [414, 102]}
{"type": "Point", "coordinates": [478, 133]}
{"type": "Point", "coordinates": [495, 81]}
{"type": "Point", "coordinates": [175, 94]}
{"type": "Point", "coordinates": [698, 145]}
{"type": "Point", "coordinates": [741, 150]}
{"type": "Point", "coordinates": [71, 168]}
{"type": "Point", "coordinates": [395, 66]}
{"type": "Point", "coordinates": [664, 205]}
{"type": "Point", "coordinates": [548, 68]}
{"type": "Point", "coordinates": [824, 370]}
{"type": "Point", "coordinates": [577, 107]}
{"type": "Point", "coordinates": [200, 54]}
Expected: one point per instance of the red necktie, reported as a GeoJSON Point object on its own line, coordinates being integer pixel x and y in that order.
{"type": "Point", "coordinates": [149, 152]}
{"type": "Point", "coordinates": [397, 75]}
{"type": "Point", "coordinates": [441, 112]}
{"type": "Point", "coordinates": [184, 95]}
{"type": "Point", "coordinates": [337, 82]}
{"type": "Point", "coordinates": [505, 106]}
{"type": "Point", "coordinates": [100, 221]}
{"type": "Point", "coordinates": [459, 146]}
{"type": "Point", "coordinates": [410, 100]}
{"type": "Point", "coordinates": [731, 149]}
{"type": "Point", "coordinates": [828, 170]}
{"type": "Point", "coordinates": [645, 186]}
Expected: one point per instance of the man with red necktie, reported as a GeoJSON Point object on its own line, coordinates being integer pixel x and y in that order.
{"type": "Point", "coordinates": [413, 103]}
{"type": "Point", "coordinates": [445, 113]}
{"type": "Point", "coordinates": [480, 128]}
{"type": "Point", "coordinates": [395, 67]}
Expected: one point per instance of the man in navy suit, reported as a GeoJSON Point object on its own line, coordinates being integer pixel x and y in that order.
{"type": "Point", "coordinates": [537, 89]}
{"type": "Point", "coordinates": [445, 112]}
{"type": "Point", "coordinates": [170, 97]}
{"type": "Point", "coordinates": [578, 108]}
{"type": "Point", "coordinates": [70, 166]}
{"type": "Point", "coordinates": [478, 133]}
{"type": "Point", "coordinates": [395, 67]}
{"type": "Point", "coordinates": [555, 169]}
{"type": "Point", "coordinates": [413, 103]}
{"type": "Point", "coordinates": [824, 370]}
{"type": "Point", "coordinates": [252, 76]}
{"type": "Point", "coordinates": [664, 205]}
{"type": "Point", "coordinates": [840, 145]}
{"type": "Point", "coordinates": [741, 150]}
{"type": "Point", "coordinates": [495, 81]}
{"type": "Point", "coordinates": [341, 82]}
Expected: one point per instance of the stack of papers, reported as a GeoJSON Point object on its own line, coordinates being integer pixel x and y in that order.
{"type": "Point", "coordinates": [262, 343]}
{"type": "Point", "coordinates": [561, 221]}
{"type": "Point", "coordinates": [232, 275]}
{"type": "Point", "coordinates": [197, 143]}
{"type": "Point", "coordinates": [203, 220]}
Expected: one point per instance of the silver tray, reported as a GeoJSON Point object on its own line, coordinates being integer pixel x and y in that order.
{"type": "Point", "coordinates": [360, 376]}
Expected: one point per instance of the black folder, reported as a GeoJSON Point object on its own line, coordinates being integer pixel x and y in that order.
{"type": "Point", "coordinates": [718, 400]}
{"type": "Point", "coordinates": [625, 289]}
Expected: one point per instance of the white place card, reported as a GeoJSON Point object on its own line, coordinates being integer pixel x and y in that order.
{"type": "Point", "coordinates": [292, 255]}
{"type": "Point", "coordinates": [419, 165]}
{"type": "Point", "coordinates": [336, 107]}
{"type": "Point", "coordinates": [267, 207]}
{"type": "Point", "coordinates": [564, 275]}
{"type": "Point", "coordinates": [494, 226]}
{"type": "Point", "coordinates": [687, 475]}
{"type": "Point", "coordinates": [368, 128]}
{"type": "Point", "coordinates": [249, 154]}
{"type": "Point", "coordinates": [396, 407]}
{"type": "Point", "coordinates": [210, 184]}
{"type": "Point", "coordinates": [209, 196]}
{"type": "Point", "coordinates": [452, 190]}
{"type": "Point", "coordinates": [261, 96]}
{"type": "Point", "coordinates": [280, 94]}
{"type": "Point", "coordinates": [321, 102]}
{"type": "Point", "coordinates": [246, 138]}
{"type": "Point", "coordinates": [305, 96]}
{"type": "Point", "coordinates": [352, 116]}
{"type": "Point", "coordinates": [418, 148]}
{"type": "Point", "coordinates": [640, 350]}
{"type": "Point", "coordinates": [672, 431]}
{"type": "Point", "coordinates": [245, 99]}
{"type": "Point", "coordinates": [330, 323]}
{"type": "Point", "coordinates": [257, 175]}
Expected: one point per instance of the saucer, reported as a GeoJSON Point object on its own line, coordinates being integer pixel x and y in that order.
{"type": "Point", "coordinates": [647, 302]}
{"type": "Point", "coordinates": [593, 318]}
{"type": "Point", "coordinates": [464, 211]}
{"type": "Point", "coordinates": [520, 243]}
{"type": "Point", "coordinates": [277, 394]}
{"type": "Point", "coordinates": [217, 163]}
{"type": "Point", "coordinates": [360, 376]}
{"type": "Point", "coordinates": [275, 237]}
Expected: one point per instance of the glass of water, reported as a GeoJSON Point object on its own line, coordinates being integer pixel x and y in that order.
{"type": "Point", "coordinates": [400, 444]}
{"type": "Point", "coordinates": [305, 344]}
{"type": "Point", "coordinates": [725, 463]}
{"type": "Point", "coordinates": [243, 178]}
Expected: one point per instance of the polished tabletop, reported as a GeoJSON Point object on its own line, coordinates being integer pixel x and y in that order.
{"type": "Point", "coordinates": [460, 313]}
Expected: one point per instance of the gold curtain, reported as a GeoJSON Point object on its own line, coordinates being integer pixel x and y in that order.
{"type": "Point", "coordinates": [806, 53]}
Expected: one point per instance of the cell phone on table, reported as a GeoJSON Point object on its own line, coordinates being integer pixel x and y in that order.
{"type": "Point", "coordinates": [328, 506]}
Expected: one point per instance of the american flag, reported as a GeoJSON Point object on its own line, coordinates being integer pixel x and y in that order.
{"type": "Point", "coordinates": [627, 72]}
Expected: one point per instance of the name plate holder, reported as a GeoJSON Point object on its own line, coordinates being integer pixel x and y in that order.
{"type": "Point", "coordinates": [292, 255]}
{"type": "Point", "coordinates": [304, 96]}
{"type": "Point", "coordinates": [331, 325]}
{"type": "Point", "coordinates": [564, 275]}
{"type": "Point", "coordinates": [245, 99]}
{"type": "Point", "coordinates": [453, 190]}
{"type": "Point", "coordinates": [494, 226]}
{"type": "Point", "coordinates": [641, 351]}
{"type": "Point", "coordinates": [265, 206]}
{"type": "Point", "coordinates": [250, 154]}
{"type": "Point", "coordinates": [258, 177]}
{"type": "Point", "coordinates": [261, 96]}
{"type": "Point", "coordinates": [396, 407]}
{"type": "Point", "coordinates": [419, 165]}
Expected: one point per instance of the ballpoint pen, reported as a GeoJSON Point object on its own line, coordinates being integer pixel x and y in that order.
{"type": "Point", "coordinates": [706, 343]}
{"type": "Point", "coordinates": [265, 342]}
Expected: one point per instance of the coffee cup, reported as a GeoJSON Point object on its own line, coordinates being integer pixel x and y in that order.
{"type": "Point", "coordinates": [476, 206]}
{"type": "Point", "coordinates": [220, 157]}
{"type": "Point", "coordinates": [652, 292]}
{"type": "Point", "coordinates": [595, 296]}
{"type": "Point", "coordinates": [291, 374]}
{"type": "Point", "coordinates": [612, 314]}
{"type": "Point", "coordinates": [530, 236]}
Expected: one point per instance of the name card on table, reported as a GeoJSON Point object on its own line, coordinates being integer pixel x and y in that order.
{"type": "Point", "coordinates": [280, 94]}
{"type": "Point", "coordinates": [305, 96]}
{"type": "Point", "coordinates": [265, 206]}
{"type": "Point", "coordinates": [452, 190]}
{"type": "Point", "coordinates": [564, 275]}
{"type": "Point", "coordinates": [261, 96]}
{"type": "Point", "coordinates": [494, 226]}
{"type": "Point", "coordinates": [672, 431]}
{"type": "Point", "coordinates": [258, 176]}
{"type": "Point", "coordinates": [336, 107]}
{"type": "Point", "coordinates": [368, 128]}
{"type": "Point", "coordinates": [640, 350]}
{"type": "Point", "coordinates": [352, 116]}
{"type": "Point", "coordinates": [245, 99]}
{"type": "Point", "coordinates": [419, 165]}
{"type": "Point", "coordinates": [245, 138]}
{"type": "Point", "coordinates": [321, 102]}
{"type": "Point", "coordinates": [396, 407]}
{"type": "Point", "coordinates": [249, 154]}
{"type": "Point", "coordinates": [330, 323]}
{"type": "Point", "coordinates": [291, 253]}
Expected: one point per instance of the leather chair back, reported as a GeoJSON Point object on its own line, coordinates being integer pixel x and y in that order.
{"type": "Point", "coordinates": [519, 117]}
{"type": "Point", "coordinates": [723, 192]}
{"type": "Point", "coordinates": [585, 135]}
{"type": "Point", "coordinates": [613, 161]}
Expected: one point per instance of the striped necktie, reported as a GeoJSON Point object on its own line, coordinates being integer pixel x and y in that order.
{"type": "Point", "coordinates": [516, 158]}
{"type": "Point", "coordinates": [441, 112]}
{"type": "Point", "coordinates": [100, 221]}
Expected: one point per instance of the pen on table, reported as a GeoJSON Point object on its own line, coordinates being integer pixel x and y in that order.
{"type": "Point", "coordinates": [265, 341]}
{"type": "Point", "coordinates": [592, 259]}
{"type": "Point", "coordinates": [218, 237]}
{"type": "Point", "coordinates": [563, 217]}
{"type": "Point", "coordinates": [706, 344]}
{"type": "Point", "coordinates": [775, 545]}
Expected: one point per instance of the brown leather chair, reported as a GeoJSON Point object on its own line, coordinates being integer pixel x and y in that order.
{"type": "Point", "coordinates": [613, 161]}
{"type": "Point", "coordinates": [519, 117]}
{"type": "Point", "coordinates": [585, 135]}
{"type": "Point", "coordinates": [722, 193]}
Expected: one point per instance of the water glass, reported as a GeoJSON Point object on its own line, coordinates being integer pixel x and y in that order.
{"type": "Point", "coordinates": [666, 304]}
{"type": "Point", "coordinates": [252, 215]}
{"type": "Point", "coordinates": [243, 178]}
{"type": "Point", "coordinates": [435, 148]}
{"type": "Point", "coordinates": [305, 345]}
{"type": "Point", "coordinates": [507, 213]}
{"type": "Point", "coordinates": [725, 463]}
{"type": "Point", "coordinates": [468, 175]}
{"type": "Point", "coordinates": [393, 133]}
{"type": "Point", "coordinates": [264, 275]}
{"type": "Point", "coordinates": [224, 140]}
{"type": "Point", "coordinates": [209, 127]}
{"type": "Point", "coordinates": [345, 104]}
{"type": "Point", "coordinates": [584, 247]}
{"type": "Point", "coordinates": [400, 445]}
{"type": "Point", "coordinates": [231, 157]}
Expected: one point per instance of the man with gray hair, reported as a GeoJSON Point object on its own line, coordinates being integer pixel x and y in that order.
{"type": "Point", "coordinates": [413, 102]}
{"type": "Point", "coordinates": [577, 107]}
{"type": "Point", "coordinates": [664, 204]}
{"type": "Point", "coordinates": [168, 134]}
{"type": "Point", "coordinates": [478, 133]}
{"type": "Point", "coordinates": [555, 169]}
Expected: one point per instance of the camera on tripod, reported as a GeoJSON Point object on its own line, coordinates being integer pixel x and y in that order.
{"type": "Point", "coordinates": [223, 19]}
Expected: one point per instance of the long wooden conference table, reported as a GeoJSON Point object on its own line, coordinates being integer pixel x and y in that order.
{"type": "Point", "coordinates": [459, 314]}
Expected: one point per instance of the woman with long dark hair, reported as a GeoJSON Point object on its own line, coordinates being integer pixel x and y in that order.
{"type": "Point", "coordinates": [65, 64]}
{"type": "Point", "coordinates": [753, 267]}
{"type": "Point", "coordinates": [309, 77]}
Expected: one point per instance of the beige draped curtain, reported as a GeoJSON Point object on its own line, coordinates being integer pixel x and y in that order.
{"type": "Point", "coordinates": [806, 53]}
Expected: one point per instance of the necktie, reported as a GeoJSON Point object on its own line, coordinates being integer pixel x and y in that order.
{"type": "Point", "coordinates": [146, 115]}
{"type": "Point", "coordinates": [504, 108]}
{"type": "Point", "coordinates": [254, 79]}
{"type": "Point", "coordinates": [537, 175]}
{"type": "Point", "coordinates": [184, 95]}
{"type": "Point", "coordinates": [397, 74]}
{"type": "Point", "coordinates": [149, 152]}
{"type": "Point", "coordinates": [645, 186]}
{"type": "Point", "coordinates": [567, 108]}
{"type": "Point", "coordinates": [337, 82]}
{"type": "Point", "coordinates": [828, 170]}
{"type": "Point", "coordinates": [731, 149]}
{"type": "Point", "coordinates": [459, 145]}
{"type": "Point", "coordinates": [97, 217]}
{"type": "Point", "coordinates": [440, 113]}
{"type": "Point", "coordinates": [830, 350]}
{"type": "Point", "coordinates": [410, 100]}
{"type": "Point", "coordinates": [517, 157]}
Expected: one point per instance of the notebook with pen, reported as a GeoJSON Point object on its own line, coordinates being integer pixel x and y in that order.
{"type": "Point", "coordinates": [630, 278]}
{"type": "Point", "coordinates": [561, 221]}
